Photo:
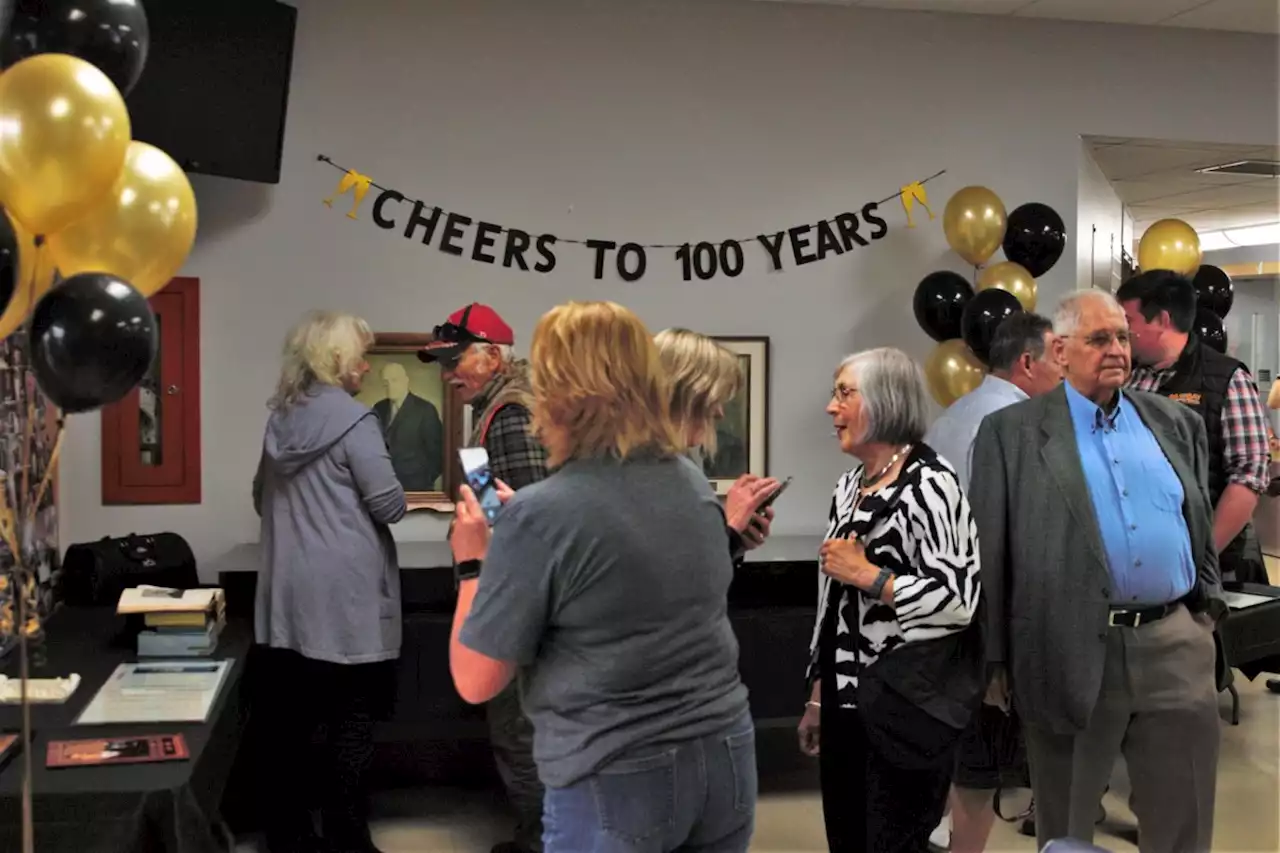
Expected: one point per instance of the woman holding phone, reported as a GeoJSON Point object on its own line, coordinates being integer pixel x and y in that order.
{"type": "Point", "coordinates": [605, 586]}
{"type": "Point", "coordinates": [704, 376]}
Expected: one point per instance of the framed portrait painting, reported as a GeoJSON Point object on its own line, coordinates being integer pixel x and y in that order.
{"type": "Point", "coordinates": [420, 416]}
{"type": "Point", "coordinates": [742, 436]}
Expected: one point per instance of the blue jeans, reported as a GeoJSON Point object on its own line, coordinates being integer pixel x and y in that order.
{"type": "Point", "coordinates": [696, 797]}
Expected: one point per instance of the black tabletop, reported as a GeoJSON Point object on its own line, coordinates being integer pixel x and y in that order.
{"type": "Point", "coordinates": [93, 642]}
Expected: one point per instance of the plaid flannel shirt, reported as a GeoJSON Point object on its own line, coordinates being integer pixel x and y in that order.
{"type": "Point", "coordinates": [1244, 426]}
{"type": "Point", "coordinates": [515, 456]}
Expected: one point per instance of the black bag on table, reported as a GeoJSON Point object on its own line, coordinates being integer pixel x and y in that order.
{"type": "Point", "coordinates": [95, 573]}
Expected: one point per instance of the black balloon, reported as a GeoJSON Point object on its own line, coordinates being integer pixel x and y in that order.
{"type": "Point", "coordinates": [111, 34]}
{"type": "Point", "coordinates": [1214, 289]}
{"type": "Point", "coordinates": [9, 265]}
{"type": "Point", "coordinates": [1209, 329]}
{"type": "Point", "coordinates": [1035, 237]}
{"type": "Point", "coordinates": [939, 302]}
{"type": "Point", "coordinates": [93, 337]}
{"type": "Point", "coordinates": [984, 313]}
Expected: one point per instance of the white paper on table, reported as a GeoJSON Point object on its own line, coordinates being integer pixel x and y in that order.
{"type": "Point", "coordinates": [1241, 600]}
{"type": "Point", "coordinates": [162, 691]}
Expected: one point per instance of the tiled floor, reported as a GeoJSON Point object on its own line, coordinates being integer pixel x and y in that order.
{"type": "Point", "coordinates": [1248, 817]}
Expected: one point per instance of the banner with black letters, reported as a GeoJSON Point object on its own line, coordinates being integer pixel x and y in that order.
{"type": "Point", "coordinates": [515, 248]}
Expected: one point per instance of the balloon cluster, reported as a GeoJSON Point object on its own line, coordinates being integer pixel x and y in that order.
{"type": "Point", "coordinates": [93, 222]}
{"type": "Point", "coordinates": [963, 318]}
{"type": "Point", "coordinates": [1172, 244]}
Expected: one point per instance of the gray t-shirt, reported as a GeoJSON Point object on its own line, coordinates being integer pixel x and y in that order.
{"type": "Point", "coordinates": [607, 584]}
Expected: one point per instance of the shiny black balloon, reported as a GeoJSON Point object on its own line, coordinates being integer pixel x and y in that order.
{"type": "Point", "coordinates": [93, 337]}
{"type": "Point", "coordinates": [111, 34]}
{"type": "Point", "coordinates": [1209, 329]}
{"type": "Point", "coordinates": [9, 249]}
{"type": "Point", "coordinates": [983, 315]}
{"type": "Point", "coordinates": [1035, 237]}
{"type": "Point", "coordinates": [939, 301]}
{"type": "Point", "coordinates": [1214, 290]}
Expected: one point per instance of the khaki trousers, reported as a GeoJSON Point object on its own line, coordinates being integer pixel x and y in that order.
{"type": "Point", "coordinates": [1159, 708]}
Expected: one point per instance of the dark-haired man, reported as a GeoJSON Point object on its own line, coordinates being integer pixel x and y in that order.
{"type": "Point", "coordinates": [1161, 306]}
{"type": "Point", "coordinates": [1022, 367]}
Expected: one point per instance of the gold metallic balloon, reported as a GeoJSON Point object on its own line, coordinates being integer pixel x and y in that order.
{"type": "Point", "coordinates": [140, 230]}
{"type": "Point", "coordinates": [35, 277]}
{"type": "Point", "coordinates": [1170, 244]}
{"type": "Point", "coordinates": [1012, 277]}
{"type": "Point", "coordinates": [63, 134]}
{"type": "Point", "coordinates": [974, 222]}
{"type": "Point", "coordinates": [952, 371]}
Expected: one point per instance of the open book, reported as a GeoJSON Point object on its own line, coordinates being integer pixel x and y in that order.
{"type": "Point", "coordinates": [158, 599]}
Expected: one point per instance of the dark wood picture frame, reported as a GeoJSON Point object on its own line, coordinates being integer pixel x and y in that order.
{"type": "Point", "coordinates": [173, 474]}
{"type": "Point", "coordinates": [754, 397]}
{"type": "Point", "coordinates": [403, 347]}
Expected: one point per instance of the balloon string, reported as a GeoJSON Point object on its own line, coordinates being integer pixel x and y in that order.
{"type": "Point", "coordinates": [47, 479]}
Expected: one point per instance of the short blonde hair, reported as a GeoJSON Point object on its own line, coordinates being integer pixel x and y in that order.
{"type": "Point", "coordinates": [703, 376]}
{"type": "Point", "coordinates": [598, 386]}
{"type": "Point", "coordinates": [321, 348]}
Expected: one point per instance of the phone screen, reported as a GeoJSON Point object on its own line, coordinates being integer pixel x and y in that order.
{"type": "Point", "coordinates": [475, 465]}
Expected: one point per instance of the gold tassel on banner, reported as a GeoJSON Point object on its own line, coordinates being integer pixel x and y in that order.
{"type": "Point", "coordinates": [911, 194]}
{"type": "Point", "coordinates": [352, 180]}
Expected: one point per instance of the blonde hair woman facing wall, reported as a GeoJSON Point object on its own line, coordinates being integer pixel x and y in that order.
{"type": "Point", "coordinates": [606, 585]}
{"type": "Point", "coordinates": [328, 607]}
{"type": "Point", "coordinates": [704, 376]}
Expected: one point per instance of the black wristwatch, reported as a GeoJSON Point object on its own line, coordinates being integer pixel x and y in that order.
{"type": "Point", "coordinates": [467, 570]}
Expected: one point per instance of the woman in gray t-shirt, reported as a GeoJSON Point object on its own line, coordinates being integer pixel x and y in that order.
{"type": "Point", "coordinates": [604, 587]}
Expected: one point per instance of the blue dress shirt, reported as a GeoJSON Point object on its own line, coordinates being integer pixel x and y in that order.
{"type": "Point", "coordinates": [1137, 499]}
{"type": "Point", "coordinates": [952, 434]}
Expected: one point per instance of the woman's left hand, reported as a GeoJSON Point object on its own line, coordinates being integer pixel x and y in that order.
{"type": "Point", "coordinates": [845, 560]}
{"type": "Point", "coordinates": [469, 537]}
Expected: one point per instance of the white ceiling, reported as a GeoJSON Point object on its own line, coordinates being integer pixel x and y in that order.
{"type": "Point", "coordinates": [1250, 16]}
{"type": "Point", "coordinates": [1157, 178]}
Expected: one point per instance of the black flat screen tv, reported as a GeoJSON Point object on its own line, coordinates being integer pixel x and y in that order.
{"type": "Point", "coordinates": [214, 93]}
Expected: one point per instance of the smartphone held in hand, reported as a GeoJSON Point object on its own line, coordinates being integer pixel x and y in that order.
{"type": "Point", "coordinates": [773, 496]}
{"type": "Point", "coordinates": [475, 465]}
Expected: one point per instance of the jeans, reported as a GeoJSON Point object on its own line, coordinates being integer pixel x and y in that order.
{"type": "Point", "coordinates": [698, 796]}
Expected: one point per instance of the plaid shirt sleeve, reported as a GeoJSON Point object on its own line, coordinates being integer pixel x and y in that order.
{"type": "Point", "coordinates": [515, 456]}
{"type": "Point", "coordinates": [1244, 431]}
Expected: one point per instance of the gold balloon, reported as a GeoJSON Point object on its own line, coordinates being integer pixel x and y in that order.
{"type": "Point", "coordinates": [974, 222]}
{"type": "Point", "coordinates": [1170, 244]}
{"type": "Point", "coordinates": [35, 277]}
{"type": "Point", "coordinates": [1012, 277]}
{"type": "Point", "coordinates": [63, 134]}
{"type": "Point", "coordinates": [952, 371]}
{"type": "Point", "coordinates": [140, 230]}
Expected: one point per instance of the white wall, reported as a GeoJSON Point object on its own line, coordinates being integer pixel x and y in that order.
{"type": "Point", "coordinates": [1103, 227]}
{"type": "Point", "coordinates": [654, 121]}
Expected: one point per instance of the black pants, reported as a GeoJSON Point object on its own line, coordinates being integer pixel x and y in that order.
{"type": "Point", "coordinates": [315, 722]}
{"type": "Point", "coordinates": [511, 734]}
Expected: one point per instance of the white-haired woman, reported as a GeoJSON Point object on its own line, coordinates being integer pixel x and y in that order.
{"type": "Point", "coordinates": [328, 607]}
{"type": "Point", "coordinates": [897, 662]}
{"type": "Point", "coordinates": [704, 376]}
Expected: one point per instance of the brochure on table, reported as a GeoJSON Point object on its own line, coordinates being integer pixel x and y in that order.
{"type": "Point", "coordinates": [161, 691]}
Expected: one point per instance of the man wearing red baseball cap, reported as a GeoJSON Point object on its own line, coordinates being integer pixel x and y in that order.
{"type": "Point", "coordinates": [473, 349]}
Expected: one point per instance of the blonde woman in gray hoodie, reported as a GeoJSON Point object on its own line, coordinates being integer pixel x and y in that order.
{"type": "Point", "coordinates": [328, 603]}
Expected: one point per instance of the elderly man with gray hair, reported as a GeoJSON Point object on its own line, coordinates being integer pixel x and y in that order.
{"type": "Point", "coordinates": [474, 350]}
{"type": "Point", "coordinates": [896, 660]}
{"type": "Point", "coordinates": [1102, 587]}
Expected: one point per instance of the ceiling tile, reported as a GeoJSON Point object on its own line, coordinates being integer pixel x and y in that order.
{"type": "Point", "coordinates": [980, 7]}
{"type": "Point", "coordinates": [1126, 162]}
{"type": "Point", "coordinates": [1170, 190]}
{"type": "Point", "coordinates": [1110, 11]}
{"type": "Point", "coordinates": [1254, 16]}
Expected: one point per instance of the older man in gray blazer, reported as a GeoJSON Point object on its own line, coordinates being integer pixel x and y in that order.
{"type": "Point", "coordinates": [1102, 587]}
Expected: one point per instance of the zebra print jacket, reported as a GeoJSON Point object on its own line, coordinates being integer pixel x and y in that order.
{"type": "Point", "coordinates": [920, 528]}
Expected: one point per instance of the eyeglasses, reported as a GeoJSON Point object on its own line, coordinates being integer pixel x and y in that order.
{"type": "Point", "coordinates": [1102, 340]}
{"type": "Point", "coordinates": [841, 393]}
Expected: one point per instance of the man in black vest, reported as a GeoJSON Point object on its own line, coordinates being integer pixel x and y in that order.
{"type": "Point", "coordinates": [1161, 306]}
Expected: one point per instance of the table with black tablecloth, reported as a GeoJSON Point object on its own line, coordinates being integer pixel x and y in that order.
{"type": "Point", "coordinates": [140, 808]}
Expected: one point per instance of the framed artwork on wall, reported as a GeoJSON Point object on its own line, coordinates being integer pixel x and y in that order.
{"type": "Point", "coordinates": [742, 436]}
{"type": "Point", "coordinates": [420, 415]}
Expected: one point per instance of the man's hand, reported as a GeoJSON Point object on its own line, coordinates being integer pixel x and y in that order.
{"type": "Point", "coordinates": [744, 498]}
{"type": "Point", "coordinates": [998, 690]}
{"type": "Point", "coordinates": [470, 535]}
{"type": "Point", "coordinates": [810, 729]}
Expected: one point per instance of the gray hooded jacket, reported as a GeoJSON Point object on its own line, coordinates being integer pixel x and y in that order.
{"type": "Point", "coordinates": [329, 584]}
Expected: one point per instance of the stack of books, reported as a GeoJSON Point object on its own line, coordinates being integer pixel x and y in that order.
{"type": "Point", "coordinates": [176, 623]}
